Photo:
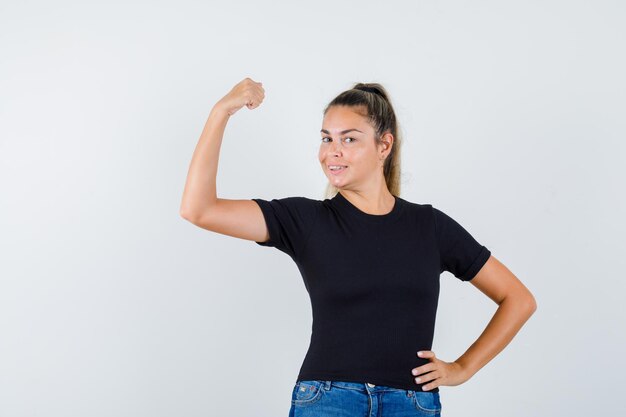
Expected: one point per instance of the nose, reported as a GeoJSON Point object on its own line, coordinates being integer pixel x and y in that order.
{"type": "Point", "coordinates": [336, 147]}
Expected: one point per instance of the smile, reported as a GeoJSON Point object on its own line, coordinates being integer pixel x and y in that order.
{"type": "Point", "coordinates": [337, 169]}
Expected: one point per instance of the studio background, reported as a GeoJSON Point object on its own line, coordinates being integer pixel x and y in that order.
{"type": "Point", "coordinates": [111, 304]}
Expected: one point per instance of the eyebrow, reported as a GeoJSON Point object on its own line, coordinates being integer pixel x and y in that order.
{"type": "Point", "coordinates": [343, 132]}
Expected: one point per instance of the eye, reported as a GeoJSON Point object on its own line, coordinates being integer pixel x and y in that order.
{"type": "Point", "coordinates": [326, 137]}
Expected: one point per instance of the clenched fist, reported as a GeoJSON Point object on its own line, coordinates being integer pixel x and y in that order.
{"type": "Point", "coordinates": [247, 93]}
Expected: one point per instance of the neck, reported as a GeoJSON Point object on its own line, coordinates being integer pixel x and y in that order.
{"type": "Point", "coordinates": [372, 202]}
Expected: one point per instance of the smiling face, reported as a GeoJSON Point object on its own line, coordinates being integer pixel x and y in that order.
{"type": "Point", "coordinates": [348, 140]}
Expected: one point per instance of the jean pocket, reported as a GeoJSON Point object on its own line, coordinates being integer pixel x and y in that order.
{"type": "Point", "coordinates": [307, 392]}
{"type": "Point", "coordinates": [427, 402]}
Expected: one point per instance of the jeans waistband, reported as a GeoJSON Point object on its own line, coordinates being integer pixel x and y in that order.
{"type": "Point", "coordinates": [359, 386]}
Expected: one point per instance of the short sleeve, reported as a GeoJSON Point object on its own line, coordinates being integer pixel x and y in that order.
{"type": "Point", "coordinates": [289, 221]}
{"type": "Point", "coordinates": [459, 252]}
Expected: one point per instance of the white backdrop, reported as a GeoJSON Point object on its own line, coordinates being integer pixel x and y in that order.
{"type": "Point", "coordinates": [111, 304]}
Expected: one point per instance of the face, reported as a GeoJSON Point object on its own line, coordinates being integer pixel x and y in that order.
{"type": "Point", "coordinates": [348, 140]}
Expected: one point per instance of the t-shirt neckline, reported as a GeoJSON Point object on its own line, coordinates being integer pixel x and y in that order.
{"type": "Point", "coordinates": [374, 218]}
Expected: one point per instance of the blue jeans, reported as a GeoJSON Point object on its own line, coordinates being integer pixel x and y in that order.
{"type": "Point", "coordinates": [318, 398]}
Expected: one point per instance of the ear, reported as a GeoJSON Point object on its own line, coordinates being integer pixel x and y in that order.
{"type": "Point", "coordinates": [386, 145]}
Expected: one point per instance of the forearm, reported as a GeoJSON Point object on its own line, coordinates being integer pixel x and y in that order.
{"type": "Point", "coordinates": [508, 319]}
{"type": "Point", "coordinates": [200, 189]}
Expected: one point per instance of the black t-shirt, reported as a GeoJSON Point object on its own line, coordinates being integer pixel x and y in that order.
{"type": "Point", "coordinates": [373, 281]}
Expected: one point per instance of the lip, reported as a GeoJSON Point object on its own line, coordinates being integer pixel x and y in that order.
{"type": "Point", "coordinates": [338, 172]}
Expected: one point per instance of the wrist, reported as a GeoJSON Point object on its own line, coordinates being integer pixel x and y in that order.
{"type": "Point", "coordinates": [220, 110]}
{"type": "Point", "coordinates": [466, 371]}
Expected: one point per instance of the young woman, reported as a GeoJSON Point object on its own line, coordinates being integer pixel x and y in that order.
{"type": "Point", "coordinates": [370, 261]}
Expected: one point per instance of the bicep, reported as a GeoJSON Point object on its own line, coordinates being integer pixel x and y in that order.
{"type": "Point", "coordinates": [237, 218]}
{"type": "Point", "coordinates": [497, 282]}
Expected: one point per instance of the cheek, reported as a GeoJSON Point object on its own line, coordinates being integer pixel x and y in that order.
{"type": "Point", "coordinates": [363, 157]}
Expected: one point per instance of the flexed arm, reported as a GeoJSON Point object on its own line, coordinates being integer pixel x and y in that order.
{"type": "Point", "coordinates": [200, 203]}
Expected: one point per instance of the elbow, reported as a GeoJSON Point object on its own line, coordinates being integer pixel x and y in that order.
{"type": "Point", "coordinates": [524, 302]}
{"type": "Point", "coordinates": [194, 212]}
{"type": "Point", "coordinates": [532, 304]}
{"type": "Point", "coordinates": [529, 304]}
{"type": "Point", "coordinates": [186, 214]}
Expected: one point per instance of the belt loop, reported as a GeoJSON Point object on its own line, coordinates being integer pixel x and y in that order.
{"type": "Point", "coordinates": [327, 385]}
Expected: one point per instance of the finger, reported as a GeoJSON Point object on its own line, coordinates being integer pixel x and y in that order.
{"type": "Point", "coordinates": [430, 366]}
{"type": "Point", "coordinates": [255, 98]}
{"type": "Point", "coordinates": [432, 376]}
{"type": "Point", "coordinates": [429, 387]}
{"type": "Point", "coordinates": [426, 354]}
{"type": "Point", "coordinates": [429, 376]}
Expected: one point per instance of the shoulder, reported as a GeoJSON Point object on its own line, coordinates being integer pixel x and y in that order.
{"type": "Point", "coordinates": [445, 216]}
{"type": "Point", "coordinates": [432, 214]}
{"type": "Point", "coordinates": [295, 201]}
{"type": "Point", "coordinates": [303, 201]}
{"type": "Point", "coordinates": [417, 207]}
{"type": "Point", "coordinates": [299, 206]}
